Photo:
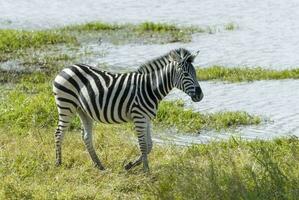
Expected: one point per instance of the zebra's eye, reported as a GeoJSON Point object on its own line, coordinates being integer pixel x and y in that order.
{"type": "Point", "coordinates": [185, 74]}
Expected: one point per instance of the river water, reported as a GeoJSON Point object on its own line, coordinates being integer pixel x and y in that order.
{"type": "Point", "coordinates": [266, 36]}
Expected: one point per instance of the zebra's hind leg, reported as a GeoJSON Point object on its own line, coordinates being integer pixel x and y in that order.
{"type": "Point", "coordinates": [63, 124]}
{"type": "Point", "coordinates": [87, 123]}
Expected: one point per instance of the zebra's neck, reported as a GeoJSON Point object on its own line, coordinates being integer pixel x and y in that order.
{"type": "Point", "coordinates": [161, 82]}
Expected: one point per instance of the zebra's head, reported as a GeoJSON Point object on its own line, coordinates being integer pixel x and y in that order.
{"type": "Point", "coordinates": [185, 75]}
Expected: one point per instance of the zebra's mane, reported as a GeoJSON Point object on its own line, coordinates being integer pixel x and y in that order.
{"type": "Point", "coordinates": [147, 67]}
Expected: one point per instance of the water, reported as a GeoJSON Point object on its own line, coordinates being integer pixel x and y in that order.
{"type": "Point", "coordinates": [267, 36]}
{"type": "Point", "coordinates": [275, 101]}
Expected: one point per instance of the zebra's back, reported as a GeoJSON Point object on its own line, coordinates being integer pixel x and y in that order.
{"type": "Point", "coordinates": [104, 96]}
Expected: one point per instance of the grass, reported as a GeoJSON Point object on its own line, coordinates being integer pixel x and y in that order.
{"type": "Point", "coordinates": [156, 27]}
{"type": "Point", "coordinates": [230, 26]}
{"type": "Point", "coordinates": [146, 32]}
{"type": "Point", "coordinates": [219, 170]}
{"type": "Point", "coordinates": [17, 43]}
{"type": "Point", "coordinates": [141, 27]}
{"type": "Point", "coordinates": [186, 120]}
{"type": "Point", "coordinates": [93, 26]}
{"type": "Point", "coordinates": [238, 74]}
{"type": "Point", "coordinates": [233, 169]}
{"type": "Point", "coordinates": [36, 64]}
{"type": "Point", "coordinates": [12, 76]}
{"type": "Point", "coordinates": [47, 63]}
{"type": "Point", "coordinates": [13, 40]}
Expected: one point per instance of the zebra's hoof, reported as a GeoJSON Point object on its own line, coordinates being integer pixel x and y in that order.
{"type": "Point", "coordinates": [100, 167]}
{"type": "Point", "coordinates": [57, 163]}
{"type": "Point", "coordinates": [128, 166]}
{"type": "Point", "coordinates": [146, 170]}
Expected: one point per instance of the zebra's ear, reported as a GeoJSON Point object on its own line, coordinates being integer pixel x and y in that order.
{"type": "Point", "coordinates": [192, 57]}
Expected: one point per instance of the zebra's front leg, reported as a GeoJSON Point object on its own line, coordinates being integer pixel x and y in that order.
{"type": "Point", "coordinates": [142, 127]}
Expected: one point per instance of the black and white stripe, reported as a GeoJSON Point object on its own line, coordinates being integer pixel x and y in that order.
{"type": "Point", "coordinates": [101, 96]}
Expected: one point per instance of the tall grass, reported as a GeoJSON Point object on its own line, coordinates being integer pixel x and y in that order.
{"type": "Point", "coordinates": [232, 170]}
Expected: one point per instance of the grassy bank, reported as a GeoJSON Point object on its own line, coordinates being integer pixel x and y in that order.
{"type": "Point", "coordinates": [21, 44]}
{"type": "Point", "coordinates": [219, 170]}
{"type": "Point", "coordinates": [141, 27]}
{"type": "Point", "coordinates": [239, 74]}
{"type": "Point", "coordinates": [146, 32]}
{"type": "Point", "coordinates": [186, 120]}
{"type": "Point", "coordinates": [12, 40]}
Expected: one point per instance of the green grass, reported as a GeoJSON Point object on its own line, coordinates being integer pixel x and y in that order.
{"type": "Point", "coordinates": [174, 114]}
{"type": "Point", "coordinates": [11, 76]}
{"type": "Point", "coordinates": [47, 63]}
{"type": "Point", "coordinates": [156, 27]}
{"type": "Point", "coordinates": [230, 26]}
{"type": "Point", "coordinates": [141, 27]}
{"type": "Point", "coordinates": [220, 170]}
{"type": "Point", "coordinates": [93, 26]}
{"type": "Point", "coordinates": [36, 65]}
{"type": "Point", "coordinates": [232, 170]}
{"type": "Point", "coordinates": [17, 43]}
{"type": "Point", "coordinates": [239, 74]}
{"type": "Point", "coordinates": [13, 40]}
{"type": "Point", "coordinates": [146, 32]}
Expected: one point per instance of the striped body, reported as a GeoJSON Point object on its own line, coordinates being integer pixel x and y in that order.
{"type": "Point", "coordinates": [115, 98]}
{"type": "Point", "coordinates": [107, 97]}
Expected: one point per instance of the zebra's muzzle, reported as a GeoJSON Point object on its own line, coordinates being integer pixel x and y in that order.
{"type": "Point", "coordinates": [197, 98]}
{"type": "Point", "coordinates": [197, 95]}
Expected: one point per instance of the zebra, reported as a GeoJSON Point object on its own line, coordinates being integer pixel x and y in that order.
{"type": "Point", "coordinates": [106, 97]}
